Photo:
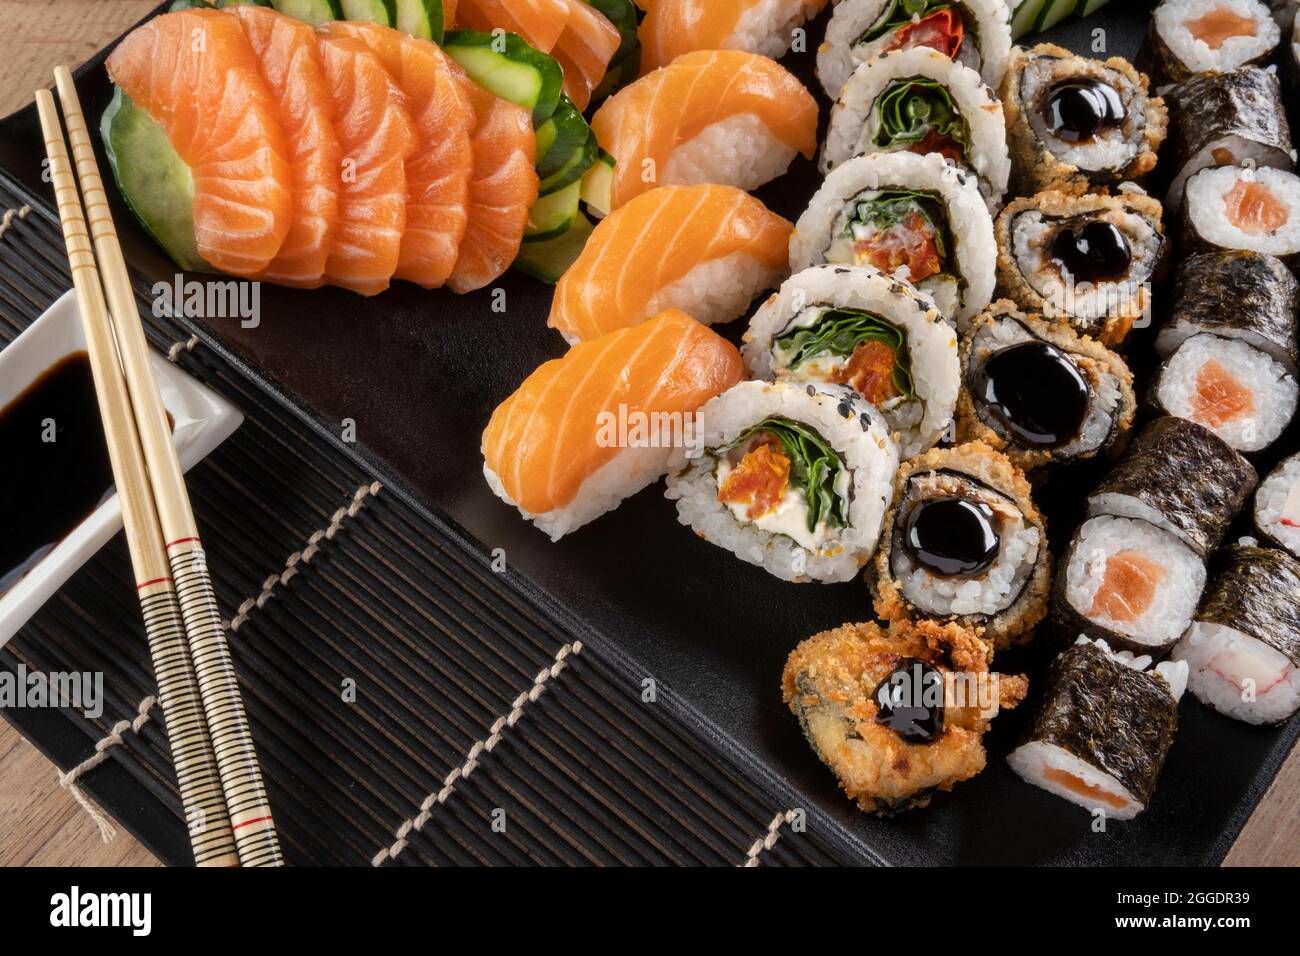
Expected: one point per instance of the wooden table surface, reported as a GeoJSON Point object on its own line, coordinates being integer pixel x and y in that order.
{"type": "Point", "coordinates": [39, 823]}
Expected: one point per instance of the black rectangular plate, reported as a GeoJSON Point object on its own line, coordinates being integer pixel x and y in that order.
{"type": "Point", "coordinates": [419, 373]}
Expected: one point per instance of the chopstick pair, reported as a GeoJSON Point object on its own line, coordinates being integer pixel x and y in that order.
{"type": "Point", "coordinates": [225, 803]}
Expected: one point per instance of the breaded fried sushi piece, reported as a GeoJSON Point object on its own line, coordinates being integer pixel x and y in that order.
{"type": "Point", "coordinates": [897, 714]}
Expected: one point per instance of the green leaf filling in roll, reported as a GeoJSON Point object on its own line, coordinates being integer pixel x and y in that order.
{"type": "Point", "coordinates": [893, 207]}
{"type": "Point", "coordinates": [899, 13]}
{"type": "Point", "coordinates": [910, 110]}
{"type": "Point", "coordinates": [815, 468]}
{"type": "Point", "coordinates": [839, 332]}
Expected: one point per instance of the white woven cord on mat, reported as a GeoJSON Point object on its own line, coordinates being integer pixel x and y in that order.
{"type": "Point", "coordinates": [115, 737]}
{"type": "Point", "coordinates": [768, 840]}
{"type": "Point", "coordinates": [544, 676]}
{"type": "Point", "coordinates": [10, 215]}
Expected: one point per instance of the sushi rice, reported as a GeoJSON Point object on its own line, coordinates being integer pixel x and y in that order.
{"type": "Point", "coordinates": [828, 233]}
{"type": "Point", "coordinates": [1277, 506]}
{"type": "Point", "coordinates": [917, 420]}
{"type": "Point", "coordinates": [856, 117]}
{"type": "Point", "coordinates": [1211, 200]}
{"type": "Point", "coordinates": [1176, 50]}
{"type": "Point", "coordinates": [781, 540]}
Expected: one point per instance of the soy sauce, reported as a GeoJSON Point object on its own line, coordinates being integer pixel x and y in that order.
{"type": "Point", "coordinates": [953, 537]}
{"type": "Point", "coordinates": [1035, 391]}
{"type": "Point", "coordinates": [910, 701]}
{"type": "Point", "coordinates": [1077, 110]}
{"type": "Point", "coordinates": [49, 487]}
{"type": "Point", "coordinates": [1095, 252]}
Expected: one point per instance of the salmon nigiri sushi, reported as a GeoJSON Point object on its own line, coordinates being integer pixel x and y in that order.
{"type": "Point", "coordinates": [714, 116]}
{"type": "Point", "coordinates": [674, 27]}
{"type": "Point", "coordinates": [708, 250]}
{"type": "Point", "coordinates": [588, 430]}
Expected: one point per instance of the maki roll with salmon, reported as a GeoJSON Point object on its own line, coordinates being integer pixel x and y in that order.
{"type": "Point", "coordinates": [1104, 730]}
{"type": "Point", "coordinates": [586, 431]}
{"type": "Point", "coordinates": [919, 101]}
{"type": "Point", "coordinates": [916, 218]}
{"type": "Point", "coordinates": [1128, 582]}
{"type": "Point", "coordinates": [1039, 392]}
{"type": "Point", "coordinates": [897, 714]}
{"type": "Point", "coordinates": [1240, 207]}
{"type": "Point", "coordinates": [851, 325]}
{"type": "Point", "coordinates": [1277, 506]}
{"type": "Point", "coordinates": [963, 542]}
{"type": "Point", "coordinates": [792, 478]}
{"type": "Point", "coordinates": [1187, 37]}
{"type": "Point", "coordinates": [1243, 650]}
{"type": "Point", "coordinates": [975, 33]}
{"type": "Point", "coordinates": [1179, 477]}
{"type": "Point", "coordinates": [1227, 119]}
{"type": "Point", "coordinates": [1075, 123]}
{"type": "Point", "coordinates": [1089, 259]}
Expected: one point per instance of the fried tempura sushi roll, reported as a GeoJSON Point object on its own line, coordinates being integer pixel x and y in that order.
{"type": "Point", "coordinates": [793, 478]}
{"type": "Point", "coordinates": [851, 325]}
{"type": "Point", "coordinates": [914, 217]}
{"type": "Point", "coordinates": [1105, 729]}
{"type": "Point", "coordinates": [1075, 123]}
{"type": "Point", "coordinates": [897, 715]}
{"type": "Point", "coordinates": [1277, 506]}
{"type": "Point", "coordinates": [919, 101]}
{"type": "Point", "coordinates": [1243, 649]}
{"type": "Point", "coordinates": [1227, 119]}
{"type": "Point", "coordinates": [1240, 207]}
{"type": "Point", "coordinates": [1180, 477]}
{"type": "Point", "coordinates": [1039, 392]}
{"type": "Point", "coordinates": [963, 542]}
{"type": "Point", "coordinates": [1187, 37]}
{"type": "Point", "coordinates": [1089, 259]}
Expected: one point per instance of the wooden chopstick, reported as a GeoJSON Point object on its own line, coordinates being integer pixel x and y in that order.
{"type": "Point", "coordinates": [237, 764]}
{"type": "Point", "coordinates": [201, 792]}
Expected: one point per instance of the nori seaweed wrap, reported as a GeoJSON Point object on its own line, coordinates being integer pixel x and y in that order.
{"type": "Point", "coordinates": [1104, 730]}
{"type": "Point", "coordinates": [1243, 651]}
{"type": "Point", "coordinates": [1227, 119]}
{"type": "Point", "coordinates": [1235, 294]}
{"type": "Point", "coordinates": [1182, 478]}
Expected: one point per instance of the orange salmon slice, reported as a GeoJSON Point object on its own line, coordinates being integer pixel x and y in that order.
{"type": "Point", "coordinates": [438, 171]}
{"type": "Point", "coordinates": [286, 51]}
{"type": "Point", "coordinates": [540, 22]}
{"type": "Point", "coordinates": [584, 49]}
{"type": "Point", "coordinates": [545, 440]}
{"type": "Point", "coordinates": [1219, 26]}
{"type": "Point", "coordinates": [1252, 208]}
{"type": "Point", "coordinates": [674, 27]}
{"type": "Point", "coordinates": [502, 188]}
{"type": "Point", "coordinates": [1084, 789]}
{"type": "Point", "coordinates": [375, 138]}
{"type": "Point", "coordinates": [1128, 587]}
{"type": "Point", "coordinates": [195, 73]}
{"type": "Point", "coordinates": [1219, 398]}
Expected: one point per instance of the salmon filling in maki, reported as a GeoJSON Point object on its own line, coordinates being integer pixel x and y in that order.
{"type": "Point", "coordinates": [1188, 37]}
{"type": "Point", "coordinates": [1235, 207]}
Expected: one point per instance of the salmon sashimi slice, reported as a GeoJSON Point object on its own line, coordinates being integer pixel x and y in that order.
{"type": "Point", "coordinates": [438, 172]}
{"type": "Point", "coordinates": [449, 14]}
{"type": "Point", "coordinates": [1220, 25]}
{"type": "Point", "coordinates": [286, 50]}
{"type": "Point", "coordinates": [1219, 397]}
{"type": "Point", "coordinates": [502, 188]}
{"type": "Point", "coordinates": [540, 22]}
{"type": "Point", "coordinates": [674, 27]}
{"type": "Point", "coordinates": [644, 125]}
{"type": "Point", "coordinates": [1251, 207]}
{"type": "Point", "coordinates": [653, 243]}
{"type": "Point", "coordinates": [586, 46]}
{"type": "Point", "coordinates": [376, 137]}
{"type": "Point", "coordinates": [195, 73]}
{"type": "Point", "coordinates": [560, 427]}
{"type": "Point", "coordinates": [1128, 587]}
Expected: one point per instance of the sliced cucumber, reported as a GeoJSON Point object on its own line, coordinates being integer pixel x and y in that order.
{"type": "Point", "coordinates": [383, 12]}
{"type": "Point", "coordinates": [598, 186]}
{"type": "Point", "coordinates": [314, 12]}
{"type": "Point", "coordinates": [421, 18]}
{"type": "Point", "coordinates": [507, 66]}
{"type": "Point", "coordinates": [1054, 11]}
{"type": "Point", "coordinates": [1089, 7]}
{"type": "Point", "coordinates": [156, 184]}
{"type": "Point", "coordinates": [572, 171]}
{"type": "Point", "coordinates": [222, 4]}
{"type": "Point", "coordinates": [560, 137]}
{"type": "Point", "coordinates": [1022, 21]}
{"type": "Point", "coordinates": [551, 259]}
{"type": "Point", "coordinates": [553, 215]}
{"type": "Point", "coordinates": [625, 64]}
{"type": "Point", "coordinates": [190, 5]}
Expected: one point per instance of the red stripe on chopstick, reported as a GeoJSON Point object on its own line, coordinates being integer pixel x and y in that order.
{"type": "Point", "coordinates": [249, 823]}
{"type": "Point", "coordinates": [172, 544]}
{"type": "Point", "coordinates": [145, 584]}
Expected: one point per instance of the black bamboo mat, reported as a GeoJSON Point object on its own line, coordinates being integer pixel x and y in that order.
{"type": "Point", "coordinates": [411, 705]}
